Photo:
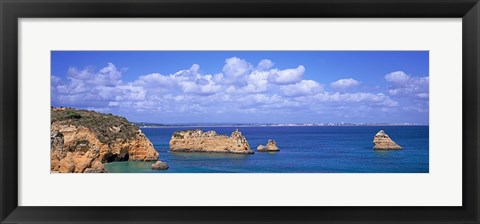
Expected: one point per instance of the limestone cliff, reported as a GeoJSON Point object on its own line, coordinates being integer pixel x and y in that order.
{"type": "Point", "coordinates": [382, 141]}
{"type": "Point", "coordinates": [210, 141]}
{"type": "Point", "coordinates": [82, 141]}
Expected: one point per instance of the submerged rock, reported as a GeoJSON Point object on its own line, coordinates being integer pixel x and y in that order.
{"type": "Point", "coordinates": [210, 141]}
{"type": "Point", "coordinates": [159, 165]}
{"type": "Point", "coordinates": [270, 147]}
{"type": "Point", "coordinates": [382, 141]}
{"type": "Point", "coordinates": [91, 170]}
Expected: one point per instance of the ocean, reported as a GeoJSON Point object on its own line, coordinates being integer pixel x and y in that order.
{"type": "Point", "coordinates": [303, 149]}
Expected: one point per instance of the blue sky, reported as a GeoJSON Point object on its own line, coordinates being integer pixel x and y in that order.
{"type": "Point", "coordinates": [245, 86]}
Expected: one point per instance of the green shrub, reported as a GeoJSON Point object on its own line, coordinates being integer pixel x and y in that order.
{"type": "Point", "coordinates": [73, 115]}
{"type": "Point", "coordinates": [101, 124]}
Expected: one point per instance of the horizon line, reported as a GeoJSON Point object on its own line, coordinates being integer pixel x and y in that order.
{"type": "Point", "coordinates": [235, 124]}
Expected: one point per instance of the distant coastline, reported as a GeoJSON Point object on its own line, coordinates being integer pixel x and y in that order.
{"type": "Point", "coordinates": [199, 125]}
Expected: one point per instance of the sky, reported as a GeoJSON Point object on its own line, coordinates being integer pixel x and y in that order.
{"type": "Point", "coordinates": [177, 87]}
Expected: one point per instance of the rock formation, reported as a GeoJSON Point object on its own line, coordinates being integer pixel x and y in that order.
{"type": "Point", "coordinates": [210, 141]}
{"type": "Point", "coordinates": [82, 141]}
{"type": "Point", "coordinates": [382, 141]}
{"type": "Point", "coordinates": [159, 165]}
{"type": "Point", "coordinates": [271, 147]}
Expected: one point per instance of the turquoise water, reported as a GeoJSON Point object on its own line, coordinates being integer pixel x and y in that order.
{"type": "Point", "coordinates": [321, 149]}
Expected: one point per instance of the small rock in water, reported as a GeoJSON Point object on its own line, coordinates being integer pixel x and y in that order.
{"type": "Point", "coordinates": [159, 165]}
{"type": "Point", "coordinates": [382, 141]}
{"type": "Point", "coordinates": [270, 147]}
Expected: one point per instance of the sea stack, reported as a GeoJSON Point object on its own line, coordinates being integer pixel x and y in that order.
{"type": "Point", "coordinates": [271, 147]}
{"type": "Point", "coordinates": [81, 141]}
{"type": "Point", "coordinates": [382, 141]}
{"type": "Point", "coordinates": [210, 141]}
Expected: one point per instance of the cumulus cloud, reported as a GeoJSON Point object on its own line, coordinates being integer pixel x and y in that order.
{"type": "Point", "coordinates": [155, 80]}
{"type": "Point", "coordinates": [304, 87]}
{"type": "Point", "coordinates": [108, 76]}
{"type": "Point", "coordinates": [235, 69]}
{"type": "Point", "coordinates": [402, 84]}
{"type": "Point", "coordinates": [264, 64]}
{"type": "Point", "coordinates": [287, 76]}
{"type": "Point", "coordinates": [257, 82]}
{"type": "Point", "coordinates": [84, 74]}
{"type": "Point", "coordinates": [343, 84]}
{"type": "Point", "coordinates": [88, 86]}
{"type": "Point", "coordinates": [240, 88]}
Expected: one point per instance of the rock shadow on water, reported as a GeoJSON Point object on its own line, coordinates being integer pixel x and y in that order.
{"type": "Point", "coordinates": [207, 155]}
{"type": "Point", "coordinates": [387, 153]}
{"type": "Point", "coordinates": [132, 167]}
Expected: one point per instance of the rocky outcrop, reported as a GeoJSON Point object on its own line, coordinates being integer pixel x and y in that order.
{"type": "Point", "coordinates": [159, 165]}
{"type": "Point", "coordinates": [82, 141]}
{"type": "Point", "coordinates": [96, 167]}
{"type": "Point", "coordinates": [270, 147]}
{"type": "Point", "coordinates": [210, 141]}
{"type": "Point", "coordinates": [382, 141]}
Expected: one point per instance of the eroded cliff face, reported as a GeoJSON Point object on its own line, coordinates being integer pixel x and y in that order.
{"type": "Point", "coordinates": [210, 141]}
{"type": "Point", "coordinates": [382, 141]}
{"type": "Point", "coordinates": [82, 141]}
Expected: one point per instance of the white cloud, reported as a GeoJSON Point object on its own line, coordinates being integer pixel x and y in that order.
{"type": "Point", "coordinates": [202, 87]}
{"type": "Point", "coordinates": [131, 93]}
{"type": "Point", "coordinates": [238, 88]}
{"type": "Point", "coordinates": [257, 82]}
{"type": "Point", "coordinates": [235, 69]}
{"type": "Point", "coordinates": [402, 84]}
{"type": "Point", "coordinates": [258, 99]}
{"type": "Point", "coordinates": [287, 76]}
{"type": "Point", "coordinates": [372, 99]}
{"type": "Point", "coordinates": [194, 69]}
{"type": "Point", "coordinates": [304, 87]}
{"type": "Point", "coordinates": [264, 64]}
{"type": "Point", "coordinates": [343, 84]}
{"type": "Point", "coordinates": [155, 80]}
{"type": "Point", "coordinates": [192, 108]}
{"type": "Point", "coordinates": [84, 74]}
{"type": "Point", "coordinates": [113, 104]}
{"type": "Point", "coordinates": [397, 77]}
{"type": "Point", "coordinates": [74, 86]}
{"type": "Point", "coordinates": [108, 76]}
{"type": "Point", "coordinates": [231, 89]}
{"type": "Point", "coordinates": [55, 80]}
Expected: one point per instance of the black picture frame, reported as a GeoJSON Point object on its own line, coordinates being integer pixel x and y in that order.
{"type": "Point", "coordinates": [12, 10]}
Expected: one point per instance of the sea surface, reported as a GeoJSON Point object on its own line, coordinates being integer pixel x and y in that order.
{"type": "Point", "coordinates": [318, 149]}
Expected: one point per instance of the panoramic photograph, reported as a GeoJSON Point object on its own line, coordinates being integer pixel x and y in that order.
{"type": "Point", "coordinates": [239, 112]}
